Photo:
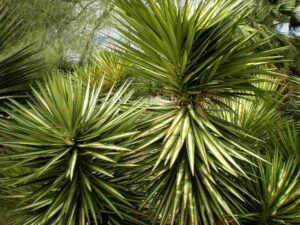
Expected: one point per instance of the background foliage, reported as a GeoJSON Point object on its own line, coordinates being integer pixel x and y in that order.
{"type": "Point", "coordinates": [67, 31]}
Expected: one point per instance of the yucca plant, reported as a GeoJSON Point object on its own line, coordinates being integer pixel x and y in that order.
{"type": "Point", "coordinates": [293, 102]}
{"type": "Point", "coordinates": [112, 67]}
{"type": "Point", "coordinates": [258, 116]}
{"type": "Point", "coordinates": [19, 68]}
{"type": "Point", "coordinates": [105, 65]}
{"type": "Point", "coordinates": [192, 158]}
{"type": "Point", "coordinates": [275, 186]}
{"type": "Point", "coordinates": [64, 155]}
{"type": "Point", "coordinates": [277, 191]}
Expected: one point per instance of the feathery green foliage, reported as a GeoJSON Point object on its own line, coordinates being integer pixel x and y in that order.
{"type": "Point", "coordinates": [66, 30]}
